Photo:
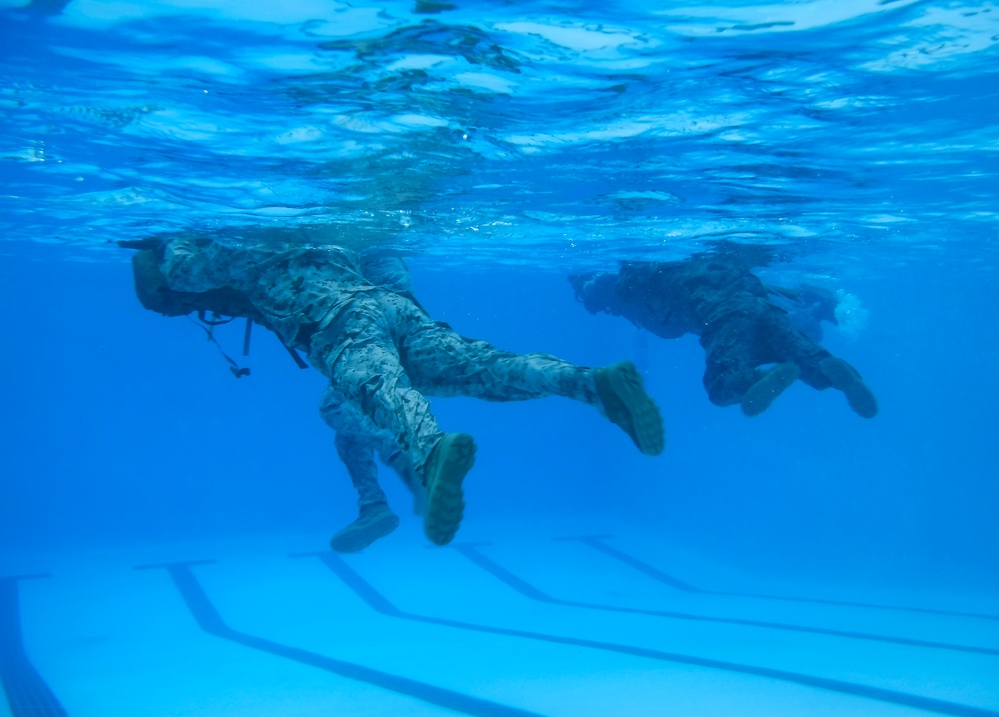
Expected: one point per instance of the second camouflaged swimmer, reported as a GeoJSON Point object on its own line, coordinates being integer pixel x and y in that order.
{"type": "Point", "coordinates": [375, 518]}
{"type": "Point", "coordinates": [382, 353]}
{"type": "Point", "coordinates": [719, 299]}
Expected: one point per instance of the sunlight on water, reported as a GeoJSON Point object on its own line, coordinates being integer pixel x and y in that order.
{"type": "Point", "coordinates": [842, 121]}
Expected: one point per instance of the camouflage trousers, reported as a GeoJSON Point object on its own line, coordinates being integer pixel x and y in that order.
{"type": "Point", "coordinates": [358, 453]}
{"type": "Point", "coordinates": [383, 355]}
{"type": "Point", "coordinates": [751, 333]}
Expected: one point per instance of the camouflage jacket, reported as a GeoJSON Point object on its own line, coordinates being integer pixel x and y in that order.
{"type": "Point", "coordinates": [297, 289]}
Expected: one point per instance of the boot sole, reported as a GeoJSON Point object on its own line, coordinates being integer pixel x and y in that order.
{"type": "Point", "coordinates": [623, 397]}
{"type": "Point", "coordinates": [453, 457]}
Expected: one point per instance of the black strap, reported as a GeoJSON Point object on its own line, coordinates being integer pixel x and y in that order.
{"type": "Point", "coordinates": [214, 321]}
{"type": "Point", "coordinates": [294, 355]}
{"type": "Point", "coordinates": [234, 367]}
{"type": "Point", "coordinates": [208, 326]}
{"type": "Point", "coordinates": [246, 336]}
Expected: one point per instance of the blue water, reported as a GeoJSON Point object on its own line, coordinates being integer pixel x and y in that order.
{"type": "Point", "coordinates": [500, 147]}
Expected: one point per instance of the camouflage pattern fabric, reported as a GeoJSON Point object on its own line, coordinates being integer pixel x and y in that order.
{"type": "Point", "coordinates": [358, 452]}
{"type": "Point", "coordinates": [719, 300]}
{"type": "Point", "coordinates": [298, 288]}
{"type": "Point", "coordinates": [381, 353]}
{"type": "Point", "coordinates": [755, 334]}
{"type": "Point", "coordinates": [384, 355]}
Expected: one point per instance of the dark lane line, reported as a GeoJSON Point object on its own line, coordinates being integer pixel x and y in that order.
{"type": "Point", "coordinates": [597, 543]}
{"type": "Point", "coordinates": [209, 620]}
{"type": "Point", "coordinates": [524, 588]}
{"type": "Point", "coordinates": [27, 692]}
{"type": "Point", "coordinates": [380, 603]}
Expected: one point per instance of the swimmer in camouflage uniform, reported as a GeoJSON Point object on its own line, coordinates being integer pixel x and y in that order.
{"type": "Point", "coordinates": [717, 297]}
{"type": "Point", "coordinates": [381, 354]}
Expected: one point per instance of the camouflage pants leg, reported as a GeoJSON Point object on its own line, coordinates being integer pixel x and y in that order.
{"type": "Point", "coordinates": [786, 343]}
{"type": "Point", "coordinates": [807, 354]}
{"type": "Point", "coordinates": [730, 363]}
{"type": "Point", "coordinates": [358, 455]}
{"type": "Point", "coordinates": [357, 452]}
{"type": "Point", "coordinates": [441, 362]}
{"type": "Point", "coordinates": [755, 334]}
{"type": "Point", "coordinates": [383, 351]}
{"type": "Point", "coordinates": [369, 393]}
{"type": "Point", "coordinates": [399, 462]}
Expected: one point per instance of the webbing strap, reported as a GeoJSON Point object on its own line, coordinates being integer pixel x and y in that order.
{"type": "Point", "coordinates": [246, 336]}
{"type": "Point", "coordinates": [234, 367]}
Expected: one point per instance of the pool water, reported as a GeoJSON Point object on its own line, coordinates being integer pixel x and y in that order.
{"type": "Point", "coordinates": [164, 527]}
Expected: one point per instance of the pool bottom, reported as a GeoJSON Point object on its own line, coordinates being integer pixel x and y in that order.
{"type": "Point", "coordinates": [589, 625]}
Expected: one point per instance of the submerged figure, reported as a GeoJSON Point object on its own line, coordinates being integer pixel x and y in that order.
{"type": "Point", "coordinates": [741, 327]}
{"type": "Point", "coordinates": [357, 451]}
{"type": "Point", "coordinates": [382, 355]}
